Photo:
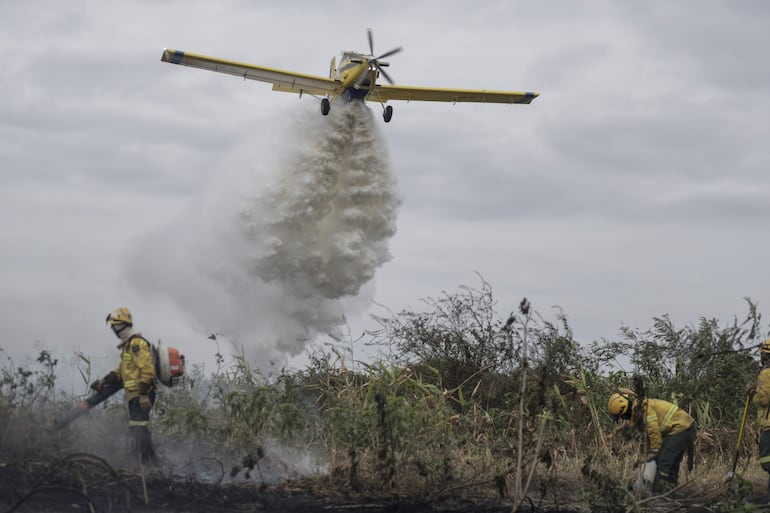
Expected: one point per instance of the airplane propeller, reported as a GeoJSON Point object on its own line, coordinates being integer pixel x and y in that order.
{"type": "Point", "coordinates": [374, 62]}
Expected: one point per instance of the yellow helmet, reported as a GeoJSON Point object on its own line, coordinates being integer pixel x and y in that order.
{"type": "Point", "coordinates": [121, 315]}
{"type": "Point", "coordinates": [620, 403]}
{"type": "Point", "coordinates": [764, 347]}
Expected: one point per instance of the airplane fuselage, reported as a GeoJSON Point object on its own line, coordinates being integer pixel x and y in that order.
{"type": "Point", "coordinates": [354, 74]}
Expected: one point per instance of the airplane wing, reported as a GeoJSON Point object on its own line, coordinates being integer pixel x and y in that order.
{"type": "Point", "coordinates": [286, 81]}
{"type": "Point", "coordinates": [383, 93]}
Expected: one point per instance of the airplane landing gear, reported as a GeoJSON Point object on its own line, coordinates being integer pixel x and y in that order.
{"type": "Point", "coordinates": [387, 113]}
{"type": "Point", "coordinates": [325, 106]}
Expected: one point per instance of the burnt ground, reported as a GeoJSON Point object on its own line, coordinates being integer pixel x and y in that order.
{"type": "Point", "coordinates": [83, 482]}
{"type": "Point", "coordinates": [165, 496]}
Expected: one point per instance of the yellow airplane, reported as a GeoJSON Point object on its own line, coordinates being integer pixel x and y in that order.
{"type": "Point", "coordinates": [354, 77]}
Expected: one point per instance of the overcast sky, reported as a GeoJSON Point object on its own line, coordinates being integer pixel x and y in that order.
{"type": "Point", "coordinates": [636, 185]}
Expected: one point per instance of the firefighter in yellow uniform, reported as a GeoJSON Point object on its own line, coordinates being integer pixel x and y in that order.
{"type": "Point", "coordinates": [761, 399]}
{"type": "Point", "coordinates": [136, 374]}
{"type": "Point", "coordinates": [670, 431]}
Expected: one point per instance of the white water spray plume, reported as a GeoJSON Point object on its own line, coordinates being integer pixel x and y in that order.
{"type": "Point", "coordinates": [276, 260]}
{"type": "Point", "coordinates": [322, 230]}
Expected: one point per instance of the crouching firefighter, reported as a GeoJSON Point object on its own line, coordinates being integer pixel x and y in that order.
{"type": "Point", "coordinates": [136, 374]}
{"type": "Point", "coordinates": [670, 432]}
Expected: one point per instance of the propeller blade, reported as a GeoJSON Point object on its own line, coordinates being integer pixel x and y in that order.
{"type": "Point", "coordinates": [387, 77]}
{"type": "Point", "coordinates": [371, 41]}
{"type": "Point", "coordinates": [391, 52]}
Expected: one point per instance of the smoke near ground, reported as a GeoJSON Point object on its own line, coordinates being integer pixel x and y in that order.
{"type": "Point", "coordinates": [267, 258]}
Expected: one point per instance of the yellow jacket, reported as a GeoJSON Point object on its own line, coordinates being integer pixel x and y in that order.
{"type": "Point", "coordinates": [137, 369]}
{"type": "Point", "coordinates": [662, 419]}
{"type": "Point", "coordinates": [762, 398]}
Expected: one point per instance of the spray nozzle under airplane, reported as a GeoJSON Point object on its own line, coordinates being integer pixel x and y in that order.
{"type": "Point", "coordinates": [353, 77]}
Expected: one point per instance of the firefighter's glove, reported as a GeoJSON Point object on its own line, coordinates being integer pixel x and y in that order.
{"type": "Point", "coordinates": [652, 455]}
{"type": "Point", "coordinates": [751, 388]}
{"type": "Point", "coordinates": [109, 379]}
{"type": "Point", "coordinates": [145, 403]}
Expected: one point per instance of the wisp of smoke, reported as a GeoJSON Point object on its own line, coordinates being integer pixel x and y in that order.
{"type": "Point", "coordinates": [275, 261]}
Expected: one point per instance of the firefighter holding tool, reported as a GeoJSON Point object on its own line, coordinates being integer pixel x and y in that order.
{"type": "Point", "coordinates": [760, 396]}
{"type": "Point", "coordinates": [136, 375]}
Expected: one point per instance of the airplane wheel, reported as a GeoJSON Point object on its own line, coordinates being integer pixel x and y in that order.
{"type": "Point", "coordinates": [388, 113]}
{"type": "Point", "coordinates": [325, 106]}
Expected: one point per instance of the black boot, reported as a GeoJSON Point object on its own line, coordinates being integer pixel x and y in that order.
{"type": "Point", "coordinates": [147, 449]}
{"type": "Point", "coordinates": [143, 446]}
